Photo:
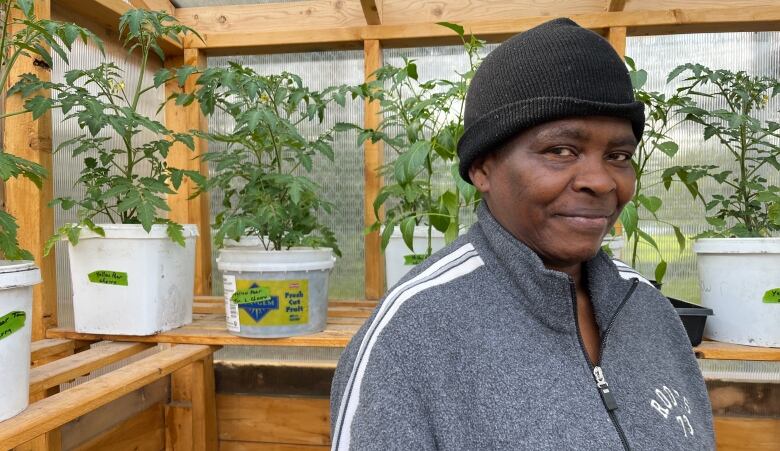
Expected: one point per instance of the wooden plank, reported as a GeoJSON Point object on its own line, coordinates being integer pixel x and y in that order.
{"type": "Point", "coordinates": [229, 445]}
{"type": "Point", "coordinates": [155, 5]}
{"type": "Point", "coordinates": [200, 332]}
{"type": "Point", "coordinates": [637, 22]}
{"type": "Point", "coordinates": [185, 210]}
{"type": "Point", "coordinates": [726, 351]}
{"type": "Point", "coordinates": [41, 349]}
{"type": "Point", "coordinates": [57, 410]}
{"type": "Point", "coordinates": [145, 431]}
{"type": "Point", "coordinates": [67, 369]}
{"type": "Point", "coordinates": [615, 5]}
{"type": "Point", "coordinates": [106, 13]}
{"type": "Point", "coordinates": [204, 412]}
{"type": "Point", "coordinates": [372, 10]}
{"type": "Point", "coordinates": [373, 157]}
{"type": "Point", "coordinates": [270, 419]}
{"type": "Point", "coordinates": [273, 17]}
{"type": "Point", "coordinates": [178, 412]}
{"type": "Point", "coordinates": [617, 38]}
{"type": "Point", "coordinates": [747, 434]}
{"type": "Point", "coordinates": [102, 420]}
{"type": "Point", "coordinates": [31, 140]}
{"type": "Point", "coordinates": [408, 11]}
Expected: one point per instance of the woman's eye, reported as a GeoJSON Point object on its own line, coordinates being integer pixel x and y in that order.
{"type": "Point", "coordinates": [620, 156]}
{"type": "Point", "coordinates": [562, 151]}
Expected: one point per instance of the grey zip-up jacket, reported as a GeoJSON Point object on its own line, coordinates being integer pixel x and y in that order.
{"type": "Point", "coordinates": [478, 348]}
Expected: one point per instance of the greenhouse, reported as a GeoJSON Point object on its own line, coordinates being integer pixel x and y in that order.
{"type": "Point", "coordinates": [389, 224]}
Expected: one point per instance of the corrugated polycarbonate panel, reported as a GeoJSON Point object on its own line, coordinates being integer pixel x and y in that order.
{"type": "Point", "coordinates": [341, 181]}
{"type": "Point", "coordinates": [66, 169]}
{"type": "Point", "coordinates": [755, 53]}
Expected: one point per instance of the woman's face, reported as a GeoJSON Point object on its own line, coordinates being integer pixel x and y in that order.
{"type": "Point", "coordinates": [559, 187]}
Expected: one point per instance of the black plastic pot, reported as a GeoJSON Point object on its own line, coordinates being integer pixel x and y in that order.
{"type": "Point", "coordinates": [693, 318]}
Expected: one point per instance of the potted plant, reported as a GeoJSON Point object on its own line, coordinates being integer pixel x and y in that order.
{"type": "Point", "coordinates": [662, 116]}
{"type": "Point", "coordinates": [276, 253]}
{"type": "Point", "coordinates": [22, 34]}
{"type": "Point", "coordinates": [422, 123]}
{"type": "Point", "coordinates": [739, 257]}
{"type": "Point", "coordinates": [133, 274]}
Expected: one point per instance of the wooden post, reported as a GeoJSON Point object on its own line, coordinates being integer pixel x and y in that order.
{"type": "Point", "coordinates": [31, 140]}
{"type": "Point", "coordinates": [617, 38]}
{"type": "Point", "coordinates": [204, 406]}
{"type": "Point", "coordinates": [194, 211]}
{"type": "Point", "coordinates": [373, 157]}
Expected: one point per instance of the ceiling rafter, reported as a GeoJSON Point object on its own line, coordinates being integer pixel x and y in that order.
{"type": "Point", "coordinates": [372, 9]}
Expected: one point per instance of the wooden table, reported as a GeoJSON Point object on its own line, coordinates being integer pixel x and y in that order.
{"type": "Point", "coordinates": [344, 319]}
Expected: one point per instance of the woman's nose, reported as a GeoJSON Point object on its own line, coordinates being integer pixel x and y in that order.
{"type": "Point", "coordinates": [594, 175]}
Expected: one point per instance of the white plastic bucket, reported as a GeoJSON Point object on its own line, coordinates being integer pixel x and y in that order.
{"type": "Point", "coordinates": [16, 282]}
{"type": "Point", "coordinates": [132, 282]}
{"type": "Point", "coordinates": [271, 293]}
{"type": "Point", "coordinates": [740, 282]}
{"type": "Point", "coordinates": [396, 262]}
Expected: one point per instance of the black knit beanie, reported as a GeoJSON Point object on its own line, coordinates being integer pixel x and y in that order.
{"type": "Point", "coordinates": [553, 71]}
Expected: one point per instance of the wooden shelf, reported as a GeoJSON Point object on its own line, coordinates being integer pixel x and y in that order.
{"type": "Point", "coordinates": [208, 328]}
{"type": "Point", "coordinates": [715, 350]}
{"type": "Point", "coordinates": [344, 319]}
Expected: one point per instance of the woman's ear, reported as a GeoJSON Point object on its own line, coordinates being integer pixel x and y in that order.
{"type": "Point", "coordinates": [479, 173]}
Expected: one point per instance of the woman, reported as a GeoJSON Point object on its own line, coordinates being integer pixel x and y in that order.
{"type": "Point", "coordinates": [523, 334]}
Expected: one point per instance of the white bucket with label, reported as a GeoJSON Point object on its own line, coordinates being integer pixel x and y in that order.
{"type": "Point", "coordinates": [399, 259]}
{"type": "Point", "coordinates": [740, 282]}
{"type": "Point", "coordinates": [16, 284]}
{"type": "Point", "coordinates": [271, 293]}
{"type": "Point", "coordinates": [132, 282]}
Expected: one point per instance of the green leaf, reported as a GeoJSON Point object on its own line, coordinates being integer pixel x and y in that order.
{"type": "Point", "coordinates": [660, 271]}
{"type": "Point", "coordinates": [407, 232]}
{"type": "Point", "coordinates": [183, 72]}
{"type": "Point", "coordinates": [650, 240]}
{"type": "Point", "coordinates": [638, 78]}
{"type": "Point", "coordinates": [175, 233]}
{"type": "Point", "coordinates": [629, 218]}
{"type": "Point", "coordinates": [161, 76]}
{"type": "Point", "coordinates": [652, 203]}
{"type": "Point", "coordinates": [715, 222]}
{"type": "Point", "coordinates": [669, 148]}
{"type": "Point", "coordinates": [454, 27]}
{"type": "Point", "coordinates": [680, 237]}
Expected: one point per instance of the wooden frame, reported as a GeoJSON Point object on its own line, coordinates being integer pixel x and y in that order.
{"type": "Point", "coordinates": [373, 25]}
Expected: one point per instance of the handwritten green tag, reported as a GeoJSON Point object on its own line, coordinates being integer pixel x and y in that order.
{"type": "Point", "coordinates": [11, 322]}
{"type": "Point", "coordinates": [108, 277]}
{"type": "Point", "coordinates": [414, 259]}
{"type": "Point", "coordinates": [250, 295]}
{"type": "Point", "coordinates": [772, 296]}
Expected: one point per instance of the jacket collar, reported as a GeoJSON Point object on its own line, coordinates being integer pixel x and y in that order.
{"type": "Point", "coordinates": [546, 294]}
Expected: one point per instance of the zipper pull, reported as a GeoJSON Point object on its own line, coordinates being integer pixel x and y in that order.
{"type": "Point", "coordinates": [606, 394]}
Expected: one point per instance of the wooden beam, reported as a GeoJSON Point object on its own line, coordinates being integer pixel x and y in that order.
{"type": "Point", "coordinates": [31, 140]}
{"type": "Point", "coordinates": [107, 12]}
{"type": "Point", "coordinates": [372, 10]}
{"type": "Point", "coordinates": [185, 210]}
{"type": "Point", "coordinates": [615, 5]}
{"type": "Point", "coordinates": [373, 156]}
{"type": "Point", "coordinates": [244, 39]}
{"type": "Point", "coordinates": [272, 17]}
{"type": "Point", "coordinates": [617, 37]}
{"type": "Point", "coordinates": [204, 406]}
{"type": "Point", "coordinates": [154, 5]}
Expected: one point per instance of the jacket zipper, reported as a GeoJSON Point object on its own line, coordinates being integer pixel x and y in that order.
{"type": "Point", "coordinates": [607, 398]}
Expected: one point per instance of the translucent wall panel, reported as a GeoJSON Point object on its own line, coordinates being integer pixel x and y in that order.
{"type": "Point", "coordinates": [342, 181]}
{"type": "Point", "coordinates": [66, 169]}
{"type": "Point", "coordinates": [756, 53]}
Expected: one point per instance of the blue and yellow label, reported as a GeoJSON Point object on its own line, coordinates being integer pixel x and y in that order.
{"type": "Point", "coordinates": [271, 302]}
